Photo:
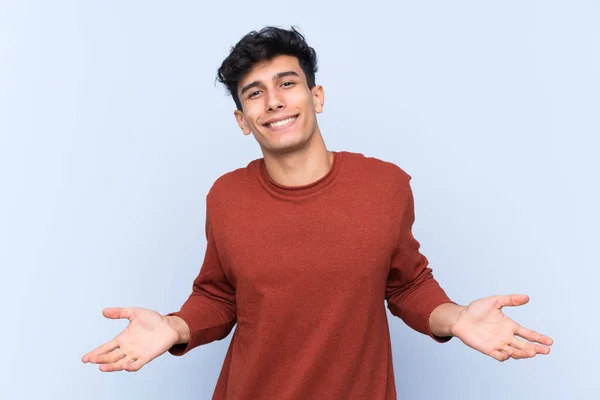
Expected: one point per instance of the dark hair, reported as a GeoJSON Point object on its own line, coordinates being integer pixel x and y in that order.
{"type": "Point", "coordinates": [265, 45]}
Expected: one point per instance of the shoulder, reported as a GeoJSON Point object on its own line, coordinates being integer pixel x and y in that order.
{"type": "Point", "coordinates": [231, 185]}
{"type": "Point", "coordinates": [376, 169]}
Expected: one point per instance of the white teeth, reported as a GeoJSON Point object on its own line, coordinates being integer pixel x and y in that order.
{"type": "Point", "coordinates": [280, 123]}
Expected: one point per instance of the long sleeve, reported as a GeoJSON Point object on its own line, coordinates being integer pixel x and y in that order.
{"type": "Point", "coordinates": [301, 271]}
{"type": "Point", "coordinates": [412, 293]}
{"type": "Point", "coordinates": [210, 310]}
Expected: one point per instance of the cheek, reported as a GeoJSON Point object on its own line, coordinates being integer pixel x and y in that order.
{"type": "Point", "coordinates": [251, 115]}
{"type": "Point", "coordinates": [303, 99]}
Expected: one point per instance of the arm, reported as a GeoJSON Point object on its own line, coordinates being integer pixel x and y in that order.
{"type": "Point", "coordinates": [209, 313]}
{"type": "Point", "coordinates": [412, 293]}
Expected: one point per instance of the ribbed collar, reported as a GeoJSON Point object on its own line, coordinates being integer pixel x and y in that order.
{"type": "Point", "coordinates": [295, 192]}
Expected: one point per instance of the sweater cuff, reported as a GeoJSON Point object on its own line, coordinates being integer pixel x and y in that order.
{"type": "Point", "coordinates": [201, 330]}
{"type": "Point", "coordinates": [433, 306]}
{"type": "Point", "coordinates": [181, 348]}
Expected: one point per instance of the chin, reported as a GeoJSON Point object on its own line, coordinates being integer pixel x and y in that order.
{"type": "Point", "coordinates": [285, 148]}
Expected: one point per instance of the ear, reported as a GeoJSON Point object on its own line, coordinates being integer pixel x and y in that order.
{"type": "Point", "coordinates": [239, 117]}
{"type": "Point", "coordinates": [318, 96]}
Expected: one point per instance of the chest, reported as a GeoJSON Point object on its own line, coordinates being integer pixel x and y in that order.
{"type": "Point", "coordinates": [298, 245]}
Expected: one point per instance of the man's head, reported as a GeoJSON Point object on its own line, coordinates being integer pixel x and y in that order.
{"type": "Point", "coordinates": [271, 77]}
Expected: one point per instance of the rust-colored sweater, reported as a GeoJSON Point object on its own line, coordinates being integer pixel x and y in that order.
{"type": "Point", "coordinates": [305, 273]}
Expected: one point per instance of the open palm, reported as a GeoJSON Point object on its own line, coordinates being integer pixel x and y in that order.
{"type": "Point", "coordinates": [148, 335]}
{"type": "Point", "coordinates": [483, 327]}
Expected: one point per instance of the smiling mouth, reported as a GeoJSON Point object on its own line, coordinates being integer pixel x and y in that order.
{"type": "Point", "coordinates": [282, 124]}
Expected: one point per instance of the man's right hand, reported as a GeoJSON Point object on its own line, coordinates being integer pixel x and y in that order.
{"type": "Point", "coordinates": [148, 335]}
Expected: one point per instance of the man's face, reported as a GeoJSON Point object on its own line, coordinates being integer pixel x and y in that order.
{"type": "Point", "coordinates": [278, 107]}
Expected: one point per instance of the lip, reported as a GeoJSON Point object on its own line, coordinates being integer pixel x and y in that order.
{"type": "Point", "coordinates": [270, 121]}
{"type": "Point", "coordinates": [283, 127]}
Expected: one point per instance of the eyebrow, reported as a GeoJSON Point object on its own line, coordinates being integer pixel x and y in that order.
{"type": "Point", "coordinates": [278, 75]}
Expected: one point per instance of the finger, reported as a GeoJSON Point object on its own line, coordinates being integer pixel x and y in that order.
{"type": "Point", "coordinates": [522, 349]}
{"type": "Point", "coordinates": [533, 350]}
{"type": "Point", "coordinates": [129, 363]}
{"type": "Point", "coordinates": [527, 352]}
{"type": "Point", "coordinates": [117, 312]}
{"type": "Point", "coordinates": [502, 354]}
{"type": "Point", "coordinates": [534, 336]}
{"type": "Point", "coordinates": [511, 300]}
{"type": "Point", "coordinates": [103, 349]}
{"type": "Point", "coordinates": [520, 344]}
{"type": "Point", "coordinates": [109, 358]}
{"type": "Point", "coordinates": [527, 349]}
{"type": "Point", "coordinates": [520, 354]}
{"type": "Point", "coordinates": [134, 365]}
{"type": "Point", "coordinates": [118, 365]}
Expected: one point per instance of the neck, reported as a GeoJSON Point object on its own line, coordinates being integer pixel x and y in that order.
{"type": "Point", "coordinates": [300, 167]}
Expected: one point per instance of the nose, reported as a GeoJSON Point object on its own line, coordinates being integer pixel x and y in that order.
{"type": "Point", "coordinates": [274, 102]}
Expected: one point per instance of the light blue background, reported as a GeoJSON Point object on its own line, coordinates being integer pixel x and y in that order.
{"type": "Point", "coordinates": [113, 130]}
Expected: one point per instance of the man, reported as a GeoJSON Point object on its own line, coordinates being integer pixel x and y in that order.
{"type": "Point", "coordinates": [304, 248]}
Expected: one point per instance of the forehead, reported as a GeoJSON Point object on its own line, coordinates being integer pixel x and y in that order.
{"type": "Point", "coordinates": [265, 70]}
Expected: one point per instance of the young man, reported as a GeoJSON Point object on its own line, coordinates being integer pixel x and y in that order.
{"type": "Point", "coordinates": [304, 248]}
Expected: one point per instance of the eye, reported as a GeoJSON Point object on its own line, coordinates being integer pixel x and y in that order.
{"type": "Point", "coordinates": [288, 84]}
{"type": "Point", "coordinates": [254, 94]}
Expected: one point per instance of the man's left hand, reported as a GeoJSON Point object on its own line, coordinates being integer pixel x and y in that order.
{"type": "Point", "coordinates": [482, 326]}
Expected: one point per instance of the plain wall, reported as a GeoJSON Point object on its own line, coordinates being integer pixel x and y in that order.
{"type": "Point", "coordinates": [112, 130]}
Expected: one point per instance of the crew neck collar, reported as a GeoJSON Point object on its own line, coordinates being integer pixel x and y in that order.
{"type": "Point", "coordinates": [290, 192]}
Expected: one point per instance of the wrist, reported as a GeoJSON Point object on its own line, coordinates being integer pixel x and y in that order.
{"type": "Point", "coordinates": [443, 319]}
{"type": "Point", "coordinates": [180, 326]}
{"type": "Point", "coordinates": [459, 312]}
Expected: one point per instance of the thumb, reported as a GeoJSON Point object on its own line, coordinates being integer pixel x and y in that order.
{"type": "Point", "coordinates": [117, 312]}
{"type": "Point", "coordinates": [512, 300]}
